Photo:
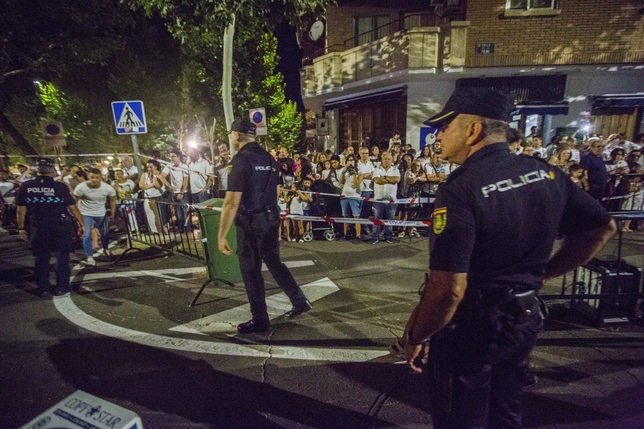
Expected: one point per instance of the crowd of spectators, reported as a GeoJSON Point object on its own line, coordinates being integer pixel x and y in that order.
{"type": "Point", "coordinates": [183, 178]}
{"type": "Point", "coordinates": [365, 181]}
{"type": "Point", "coordinates": [610, 169]}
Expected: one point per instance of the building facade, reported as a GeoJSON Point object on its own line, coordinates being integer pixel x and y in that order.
{"type": "Point", "coordinates": [571, 64]}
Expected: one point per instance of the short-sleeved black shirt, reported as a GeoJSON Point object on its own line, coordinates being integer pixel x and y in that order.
{"type": "Point", "coordinates": [254, 173]}
{"type": "Point", "coordinates": [498, 215]}
{"type": "Point", "coordinates": [44, 198]}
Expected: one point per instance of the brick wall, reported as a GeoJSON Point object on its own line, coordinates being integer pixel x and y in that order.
{"type": "Point", "coordinates": [585, 32]}
{"type": "Point", "coordinates": [339, 21]}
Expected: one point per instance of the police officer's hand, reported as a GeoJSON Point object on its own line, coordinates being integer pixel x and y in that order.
{"type": "Point", "coordinates": [203, 191]}
{"type": "Point", "coordinates": [23, 235]}
{"type": "Point", "coordinates": [224, 247]}
{"type": "Point", "coordinates": [412, 354]}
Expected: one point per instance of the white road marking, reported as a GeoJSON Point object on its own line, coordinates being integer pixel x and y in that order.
{"type": "Point", "coordinates": [170, 271]}
{"type": "Point", "coordinates": [278, 304]}
{"type": "Point", "coordinates": [66, 307]}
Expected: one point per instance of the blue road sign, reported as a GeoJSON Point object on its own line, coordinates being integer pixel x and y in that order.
{"type": "Point", "coordinates": [427, 136]}
{"type": "Point", "coordinates": [129, 117]}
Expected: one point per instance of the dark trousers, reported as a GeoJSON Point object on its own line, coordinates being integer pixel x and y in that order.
{"type": "Point", "coordinates": [256, 242]}
{"type": "Point", "coordinates": [48, 239]}
{"type": "Point", "coordinates": [384, 211]}
{"type": "Point", "coordinates": [180, 212]}
{"type": "Point", "coordinates": [198, 198]}
{"type": "Point", "coordinates": [486, 380]}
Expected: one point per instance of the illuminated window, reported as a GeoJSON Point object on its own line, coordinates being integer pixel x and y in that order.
{"type": "Point", "coordinates": [530, 4]}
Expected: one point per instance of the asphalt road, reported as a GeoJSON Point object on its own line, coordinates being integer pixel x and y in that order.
{"type": "Point", "coordinates": [128, 336]}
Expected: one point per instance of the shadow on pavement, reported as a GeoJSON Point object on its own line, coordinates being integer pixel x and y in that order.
{"type": "Point", "coordinates": [173, 384]}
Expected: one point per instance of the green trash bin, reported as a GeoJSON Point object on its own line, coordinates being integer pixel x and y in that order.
{"type": "Point", "coordinates": [221, 268]}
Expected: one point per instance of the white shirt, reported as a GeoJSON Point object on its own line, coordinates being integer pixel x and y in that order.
{"type": "Point", "coordinates": [222, 173]}
{"type": "Point", "coordinates": [348, 189]}
{"type": "Point", "coordinates": [127, 172]}
{"type": "Point", "coordinates": [365, 169]}
{"type": "Point", "coordinates": [125, 189]}
{"type": "Point", "coordinates": [25, 176]}
{"type": "Point", "coordinates": [150, 192]}
{"type": "Point", "coordinates": [385, 192]}
{"type": "Point", "coordinates": [198, 181]}
{"type": "Point", "coordinates": [296, 206]}
{"type": "Point", "coordinates": [91, 201]}
{"type": "Point", "coordinates": [620, 164]}
{"type": "Point", "coordinates": [7, 192]}
{"type": "Point", "coordinates": [175, 175]}
{"type": "Point", "coordinates": [541, 150]}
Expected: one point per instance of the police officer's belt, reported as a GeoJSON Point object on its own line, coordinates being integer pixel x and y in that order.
{"type": "Point", "coordinates": [265, 209]}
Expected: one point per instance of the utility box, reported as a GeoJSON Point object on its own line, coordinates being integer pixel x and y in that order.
{"type": "Point", "coordinates": [81, 410]}
{"type": "Point", "coordinates": [607, 277]}
{"type": "Point", "coordinates": [221, 267]}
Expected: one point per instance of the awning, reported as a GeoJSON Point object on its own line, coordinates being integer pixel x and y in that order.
{"type": "Point", "coordinates": [617, 104]}
{"type": "Point", "coordinates": [372, 97]}
{"type": "Point", "coordinates": [542, 109]}
{"type": "Point", "coordinates": [619, 100]}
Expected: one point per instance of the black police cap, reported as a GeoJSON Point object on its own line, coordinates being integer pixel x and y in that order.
{"type": "Point", "coordinates": [243, 125]}
{"type": "Point", "coordinates": [45, 162]}
{"type": "Point", "coordinates": [486, 102]}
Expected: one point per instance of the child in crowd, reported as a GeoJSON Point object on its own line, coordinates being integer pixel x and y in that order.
{"type": "Point", "coordinates": [281, 203]}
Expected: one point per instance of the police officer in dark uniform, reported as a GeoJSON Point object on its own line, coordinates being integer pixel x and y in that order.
{"type": "Point", "coordinates": [49, 205]}
{"type": "Point", "coordinates": [494, 225]}
{"type": "Point", "coordinates": [251, 200]}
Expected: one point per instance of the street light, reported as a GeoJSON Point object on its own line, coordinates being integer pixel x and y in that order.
{"type": "Point", "coordinates": [192, 143]}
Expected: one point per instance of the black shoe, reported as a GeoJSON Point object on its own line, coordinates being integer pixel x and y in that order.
{"type": "Point", "coordinates": [253, 326]}
{"type": "Point", "coordinates": [296, 311]}
{"type": "Point", "coordinates": [41, 293]}
{"type": "Point", "coordinates": [60, 292]}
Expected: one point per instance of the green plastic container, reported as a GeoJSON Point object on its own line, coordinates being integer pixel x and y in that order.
{"type": "Point", "coordinates": [221, 268]}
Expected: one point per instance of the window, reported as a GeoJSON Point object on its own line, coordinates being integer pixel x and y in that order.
{"type": "Point", "coordinates": [531, 8]}
{"type": "Point", "coordinates": [530, 4]}
{"type": "Point", "coordinates": [368, 28]}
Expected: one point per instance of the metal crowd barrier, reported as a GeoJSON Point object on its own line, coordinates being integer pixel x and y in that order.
{"type": "Point", "coordinates": [162, 225]}
{"type": "Point", "coordinates": [606, 289]}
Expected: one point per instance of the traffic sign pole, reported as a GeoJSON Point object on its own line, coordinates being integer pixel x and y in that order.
{"type": "Point", "coordinates": [129, 118]}
{"type": "Point", "coordinates": [137, 158]}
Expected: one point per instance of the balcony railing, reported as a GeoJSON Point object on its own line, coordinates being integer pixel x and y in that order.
{"type": "Point", "coordinates": [427, 19]}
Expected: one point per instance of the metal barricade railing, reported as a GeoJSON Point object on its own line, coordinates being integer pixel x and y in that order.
{"type": "Point", "coordinates": [162, 225]}
{"type": "Point", "coordinates": [606, 284]}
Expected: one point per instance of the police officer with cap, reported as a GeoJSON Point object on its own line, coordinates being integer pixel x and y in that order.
{"type": "Point", "coordinates": [494, 224]}
{"type": "Point", "coordinates": [49, 205]}
{"type": "Point", "coordinates": [251, 201]}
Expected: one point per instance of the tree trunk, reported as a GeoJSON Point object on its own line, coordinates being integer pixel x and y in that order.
{"type": "Point", "coordinates": [13, 135]}
{"type": "Point", "coordinates": [226, 84]}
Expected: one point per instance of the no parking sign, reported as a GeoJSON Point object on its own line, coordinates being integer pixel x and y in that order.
{"type": "Point", "coordinates": [258, 117]}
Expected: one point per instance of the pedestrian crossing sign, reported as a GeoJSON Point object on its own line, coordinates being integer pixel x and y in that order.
{"type": "Point", "coordinates": [129, 117]}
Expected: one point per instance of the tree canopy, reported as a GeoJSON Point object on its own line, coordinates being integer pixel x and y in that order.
{"type": "Point", "coordinates": [68, 59]}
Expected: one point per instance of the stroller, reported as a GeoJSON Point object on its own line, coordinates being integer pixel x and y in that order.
{"type": "Point", "coordinates": [323, 205]}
